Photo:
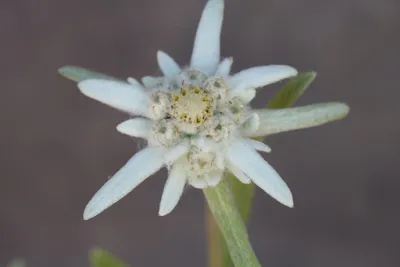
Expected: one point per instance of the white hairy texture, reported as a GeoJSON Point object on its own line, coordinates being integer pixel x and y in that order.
{"type": "Point", "coordinates": [160, 103]}
{"type": "Point", "coordinates": [165, 133]}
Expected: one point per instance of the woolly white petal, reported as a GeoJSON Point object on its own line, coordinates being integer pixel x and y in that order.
{"type": "Point", "coordinates": [224, 68]}
{"type": "Point", "coordinates": [134, 82]}
{"type": "Point", "coordinates": [122, 96]}
{"type": "Point", "coordinates": [173, 189]}
{"type": "Point", "coordinates": [251, 124]}
{"type": "Point", "coordinates": [206, 48]}
{"type": "Point", "coordinates": [198, 182]}
{"type": "Point", "coordinates": [150, 81]}
{"type": "Point", "coordinates": [137, 127]}
{"type": "Point", "coordinates": [238, 173]}
{"type": "Point", "coordinates": [213, 178]}
{"type": "Point", "coordinates": [204, 144]}
{"type": "Point", "coordinates": [176, 152]}
{"type": "Point", "coordinates": [136, 170]}
{"type": "Point", "coordinates": [259, 171]}
{"type": "Point", "coordinates": [261, 76]}
{"type": "Point", "coordinates": [257, 145]}
{"type": "Point", "coordinates": [282, 120]}
{"type": "Point", "coordinates": [245, 95]}
{"type": "Point", "coordinates": [167, 65]}
{"type": "Point", "coordinates": [219, 160]}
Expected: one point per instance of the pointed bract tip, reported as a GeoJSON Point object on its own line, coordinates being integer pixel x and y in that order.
{"type": "Point", "coordinates": [86, 216]}
{"type": "Point", "coordinates": [341, 109]}
{"type": "Point", "coordinates": [61, 70]}
{"type": "Point", "coordinates": [163, 212]}
{"type": "Point", "coordinates": [84, 83]}
{"type": "Point", "coordinates": [285, 197]}
{"type": "Point", "coordinates": [291, 71]}
{"type": "Point", "coordinates": [83, 87]}
{"type": "Point", "coordinates": [88, 213]}
{"type": "Point", "coordinates": [89, 87]}
{"type": "Point", "coordinates": [66, 71]}
{"type": "Point", "coordinates": [346, 109]}
{"type": "Point", "coordinates": [288, 202]}
{"type": "Point", "coordinates": [121, 127]}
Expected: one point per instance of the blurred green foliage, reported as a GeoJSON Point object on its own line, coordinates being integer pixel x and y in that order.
{"type": "Point", "coordinates": [17, 263]}
{"type": "Point", "coordinates": [101, 258]}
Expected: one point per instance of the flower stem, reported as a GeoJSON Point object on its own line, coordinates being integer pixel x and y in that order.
{"type": "Point", "coordinates": [223, 207]}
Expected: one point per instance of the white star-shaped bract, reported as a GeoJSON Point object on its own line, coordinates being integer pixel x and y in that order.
{"type": "Point", "coordinates": [198, 122]}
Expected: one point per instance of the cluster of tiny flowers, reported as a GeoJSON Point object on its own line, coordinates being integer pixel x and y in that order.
{"type": "Point", "coordinates": [198, 122]}
{"type": "Point", "coordinates": [197, 110]}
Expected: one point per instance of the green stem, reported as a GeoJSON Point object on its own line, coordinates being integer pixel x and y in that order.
{"type": "Point", "coordinates": [223, 207]}
{"type": "Point", "coordinates": [239, 191]}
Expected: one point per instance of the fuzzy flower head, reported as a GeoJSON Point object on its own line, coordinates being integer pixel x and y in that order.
{"type": "Point", "coordinates": [198, 122]}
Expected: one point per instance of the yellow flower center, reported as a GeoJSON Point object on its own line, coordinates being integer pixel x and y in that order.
{"type": "Point", "coordinates": [191, 105]}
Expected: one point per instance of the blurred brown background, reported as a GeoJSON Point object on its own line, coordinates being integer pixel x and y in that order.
{"type": "Point", "coordinates": [58, 147]}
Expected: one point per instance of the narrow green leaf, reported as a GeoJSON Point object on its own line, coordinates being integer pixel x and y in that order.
{"type": "Point", "coordinates": [244, 193]}
{"type": "Point", "coordinates": [78, 74]}
{"type": "Point", "coordinates": [291, 91]}
{"type": "Point", "coordinates": [17, 263]}
{"type": "Point", "coordinates": [222, 205]}
{"type": "Point", "coordinates": [101, 258]}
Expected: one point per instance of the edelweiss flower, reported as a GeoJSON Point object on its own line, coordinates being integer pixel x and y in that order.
{"type": "Point", "coordinates": [198, 122]}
